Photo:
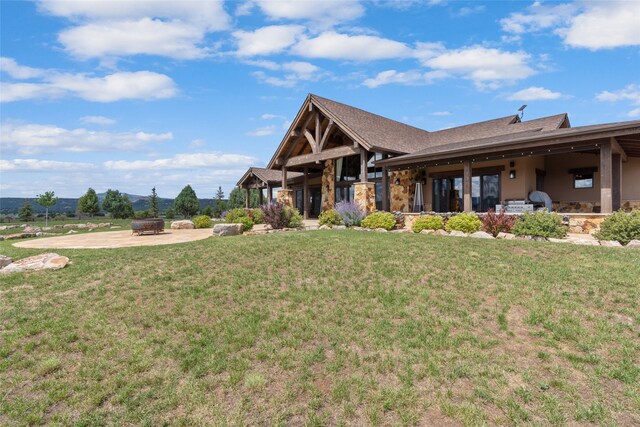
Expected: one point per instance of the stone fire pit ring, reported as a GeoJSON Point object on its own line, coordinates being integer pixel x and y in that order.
{"type": "Point", "coordinates": [147, 225]}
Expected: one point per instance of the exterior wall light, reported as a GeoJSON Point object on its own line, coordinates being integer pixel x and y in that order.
{"type": "Point", "coordinates": [397, 181]}
{"type": "Point", "coordinates": [512, 174]}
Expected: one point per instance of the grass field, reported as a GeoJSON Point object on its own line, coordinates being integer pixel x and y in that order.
{"type": "Point", "coordinates": [324, 328]}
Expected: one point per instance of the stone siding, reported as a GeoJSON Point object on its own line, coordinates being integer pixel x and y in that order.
{"type": "Point", "coordinates": [328, 185]}
{"type": "Point", "coordinates": [285, 197]}
{"type": "Point", "coordinates": [401, 195]}
{"type": "Point", "coordinates": [365, 196]}
{"type": "Point", "coordinates": [591, 206]}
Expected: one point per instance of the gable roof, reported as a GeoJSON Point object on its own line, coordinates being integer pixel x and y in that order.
{"type": "Point", "coordinates": [267, 176]}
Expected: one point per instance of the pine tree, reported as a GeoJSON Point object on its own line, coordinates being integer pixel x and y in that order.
{"type": "Point", "coordinates": [187, 202]}
{"type": "Point", "coordinates": [47, 200]}
{"type": "Point", "coordinates": [110, 198]}
{"type": "Point", "coordinates": [153, 204]}
{"type": "Point", "coordinates": [122, 207]}
{"type": "Point", "coordinates": [89, 203]}
{"type": "Point", "coordinates": [219, 205]}
{"type": "Point", "coordinates": [237, 198]}
{"type": "Point", "coordinates": [26, 212]}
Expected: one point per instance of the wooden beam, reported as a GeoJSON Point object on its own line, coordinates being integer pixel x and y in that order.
{"type": "Point", "coordinates": [606, 178]}
{"type": "Point", "coordinates": [247, 198]}
{"type": "Point", "coordinates": [318, 134]}
{"type": "Point", "coordinates": [618, 149]}
{"type": "Point", "coordinates": [616, 182]}
{"type": "Point", "coordinates": [312, 142]}
{"type": "Point", "coordinates": [294, 133]}
{"type": "Point", "coordinates": [466, 186]}
{"type": "Point", "coordinates": [326, 134]}
{"type": "Point", "coordinates": [363, 165]}
{"type": "Point", "coordinates": [333, 153]}
{"type": "Point", "coordinates": [269, 195]}
{"type": "Point", "coordinates": [305, 195]}
{"type": "Point", "coordinates": [385, 189]}
{"type": "Point", "coordinates": [284, 177]}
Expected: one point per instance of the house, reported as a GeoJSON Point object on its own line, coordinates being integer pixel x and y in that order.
{"type": "Point", "coordinates": [333, 152]}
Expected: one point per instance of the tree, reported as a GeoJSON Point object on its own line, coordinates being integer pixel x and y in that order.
{"type": "Point", "coordinates": [169, 213]}
{"type": "Point", "coordinates": [153, 204]}
{"type": "Point", "coordinates": [219, 205]}
{"type": "Point", "coordinates": [208, 211]}
{"type": "Point", "coordinates": [47, 200]}
{"type": "Point", "coordinates": [110, 198]}
{"type": "Point", "coordinates": [26, 212]}
{"type": "Point", "coordinates": [121, 207]}
{"type": "Point", "coordinates": [89, 203]}
{"type": "Point", "coordinates": [237, 198]}
{"type": "Point", "coordinates": [187, 202]}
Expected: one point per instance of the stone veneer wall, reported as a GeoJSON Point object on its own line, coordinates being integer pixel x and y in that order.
{"type": "Point", "coordinates": [285, 197]}
{"type": "Point", "coordinates": [401, 195]}
{"type": "Point", "coordinates": [589, 207]}
{"type": "Point", "coordinates": [364, 195]}
{"type": "Point", "coordinates": [328, 185]}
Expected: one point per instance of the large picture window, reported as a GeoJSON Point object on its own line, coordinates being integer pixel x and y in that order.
{"type": "Point", "coordinates": [448, 193]}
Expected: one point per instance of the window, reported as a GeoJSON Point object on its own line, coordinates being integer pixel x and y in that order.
{"type": "Point", "coordinates": [583, 180]}
{"type": "Point", "coordinates": [448, 193]}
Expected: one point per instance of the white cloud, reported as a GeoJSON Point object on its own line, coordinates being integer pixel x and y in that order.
{"type": "Point", "coordinates": [322, 12]}
{"type": "Point", "coordinates": [470, 10]}
{"type": "Point", "coordinates": [182, 161]}
{"type": "Point", "coordinates": [97, 120]}
{"type": "Point", "coordinates": [332, 45]}
{"type": "Point", "coordinates": [630, 92]}
{"type": "Point", "coordinates": [36, 138]}
{"type": "Point", "coordinates": [145, 85]}
{"type": "Point", "coordinates": [634, 113]}
{"type": "Point", "coordinates": [534, 93]}
{"type": "Point", "coordinates": [591, 25]}
{"type": "Point", "coordinates": [486, 67]}
{"type": "Point", "coordinates": [293, 73]}
{"type": "Point", "coordinates": [263, 131]}
{"type": "Point", "coordinates": [36, 165]}
{"type": "Point", "coordinates": [268, 116]}
{"type": "Point", "coordinates": [174, 29]}
{"type": "Point", "coordinates": [267, 40]}
{"type": "Point", "coordinates": [197, 143]}
{"type": "Point", "coordinates": [412, 77]}
{"type": "Point", "coordinates": [441, 113]}
{"type": "Point", "coordinates": [11, 67]}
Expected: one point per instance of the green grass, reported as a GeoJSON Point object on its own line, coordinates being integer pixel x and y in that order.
{"type": "Point", "coordinates": [324, 328]}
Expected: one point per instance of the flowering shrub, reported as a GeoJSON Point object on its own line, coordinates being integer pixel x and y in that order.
{"type": "Point", "coordinates": [620, 226]}
{"type": "Point", "coordinates": [379, 220]}
{"type": "Point", "coordinates": [329, 218]}
{"type": "Point", "coordinates": [465, 222]}
{"type": "Point", "coordinates": [350, 213]}
{"type": "Point", "coordinates": [428, 222]}
{"type": "Point", "coordinates": [202, 221]}
{"type": "Point", "coordinates": [280, 216]}
{"type": "Point", "coordinates": [541, 224]}
{"type": "Point", "coordinates": [494, 223]}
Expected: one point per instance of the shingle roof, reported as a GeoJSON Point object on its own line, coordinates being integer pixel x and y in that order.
{"type": "Point", "coordinates": [268, 176]}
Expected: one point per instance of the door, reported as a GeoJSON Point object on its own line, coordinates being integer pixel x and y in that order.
{"type": "Point", "coordinates": [315, 202]}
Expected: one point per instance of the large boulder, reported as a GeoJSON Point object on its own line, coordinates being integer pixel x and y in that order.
{"type": "Point", "coordinates": [506, 236]}
{"type": "Point", "coordinates": [48, 261]}
{"type": "Point", "coordinates": [4, 261]}
{"type": "Point", "coordinates": [457, 233]}
{"type": "Point", "coordinates": [481, 235]}
{"type": "Point", "coordinates": [226, 229]}
{"type": "Point", "coordinates": [184, 224]}
{"type": "Point", "coordinates": [633, 244]}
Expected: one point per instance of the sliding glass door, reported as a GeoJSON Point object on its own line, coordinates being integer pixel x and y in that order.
{"type": "Point", "coordinates": [448, 193]}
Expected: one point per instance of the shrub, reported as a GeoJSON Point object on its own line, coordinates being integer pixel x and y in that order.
{"type": "Point", "coordinates": [208, 211]}
{"type": "Point", "coordinates": [429, 222]}
{"type": "Point", "coordinates": [465, 222]}
{"type": "Point", "coordinates": [330, 218]}
{"type": "Point", "coordinates": [169, 213]}
{"type": "Point", "coordinates": [295, 218]}
{"type": "Point", "coordinates": [494, 223]}
{"type": "Point", "coordinates": [275, 216]}
{"type": "Point", "coordinates": [141, 214]}
{"type": "Point", "coordinates": [234, 214]}
{"type": "Point", "coordinates": [350, 213]}
{"type": "Point", "coordinates": [247, 223]}
{"type": "Point", "coordinates": [541, 224]}
{"type": "Point", "coordinates": [257, 216]}
{"type": "Point", "coordinates": [620, 226]}
{"type": "Point", "coordinates": [202, 221]}
{"type": "Point", "coordinates": [379, 220]}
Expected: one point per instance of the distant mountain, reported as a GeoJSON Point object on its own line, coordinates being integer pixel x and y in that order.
{"type": "Point", "coordinates": [11, 205]}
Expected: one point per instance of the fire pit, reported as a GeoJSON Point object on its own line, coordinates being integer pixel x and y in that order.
{"type": "Point", "coordinates": [147, 225]}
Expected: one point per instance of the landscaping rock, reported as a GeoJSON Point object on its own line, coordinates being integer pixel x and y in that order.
{"type": "Point", "coordinates": [633, 244]}
{"type": "Point", "coordinates": [427, 231]}
{"type": "Point", "coordinates": [402, 231]}
{"type": "Point", "coordinates": [185, 224]}
{"type": "Point", "coordinates": [72, 232]}
{"type": "Point", "coordinates": [457, 233]}
{"type": "Point", "coordinates": [539, 238]}
{"type": "Point", "coordinates": [506, 236]}
{"type": "Point", "coordinates": [554, 240]}
{"type": "Point", "coordinates": [357, 228]}
{"type": "Point", "coordinates": [610, 243]}
{"type": "Point", "coordinates": [29, 229]}
{"type": "Point", "coordinates": [225, 229]}
{"type": "Point", "coordinates": [48, 261]}
{"type": "Point", "coordinates": [324, 227]}
{"type": "Point", "coordinates": [339, 227]}
{"type": "Point", "coordinates": [113, 227]}
{"type": "Point", "coordinates": [42, 234]}
{"type": "Point", "coordinates": [481, 235]}
{"type": "Point", "coordinates": [381, 230]}
{"type": "Point", "coordinates": [5, 260]}
{"type": "Point", "coordinates": [8, 227]}
{"type": "Point", "coordinates": [585, 242]}
{"type": "Point", "coordinates": [440, 233]}
{"type": "Point", "coordinates": [19, 236]}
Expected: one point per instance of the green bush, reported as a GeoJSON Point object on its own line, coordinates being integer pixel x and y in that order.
{"type": "Point", "coordinates": [540, 224]}
{"type": "Point", "coordinates": [379, 220]}
{"type": "Point", "coordinates": [465, 222]}
{"type": "Point", "coordinates": [620, 226]}
{"type": "Point", "coordinates": [247, 223]}
{"type": "Point", "coordinates": [202, 221]}
{"type": "Point", "coordinates": [295, 218]}
{"type": "Point", "coordinates": [141, 214]}
{"type": "Point", "coordinates": [429, 222]}
{"type": "Point", "coordinates": [234, 214]}
{"type": "Point", "coordinates": [330, 218]}
{"type": "Point", "coordinates": [257, 216]}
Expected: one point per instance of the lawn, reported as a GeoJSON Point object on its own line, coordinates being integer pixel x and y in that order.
{"type": "Point", "coordinates": [324, 328]}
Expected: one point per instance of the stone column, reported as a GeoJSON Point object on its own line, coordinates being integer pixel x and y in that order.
{"type": "Point", "coordinates": [328, 185]}
{"type": "Point", "coordinates": [364, 195]}
{"type": "Point", "coordinates": [285, 197]}
{"type": "Point", "coordinates": [606, 178]}
{"type": "Point", "coordinates": [466, 186]}
{"type": "Point", "coordinates": [269, 195]}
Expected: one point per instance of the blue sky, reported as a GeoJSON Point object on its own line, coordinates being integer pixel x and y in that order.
{"type": "Point", "coordinates": [131, 95]}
